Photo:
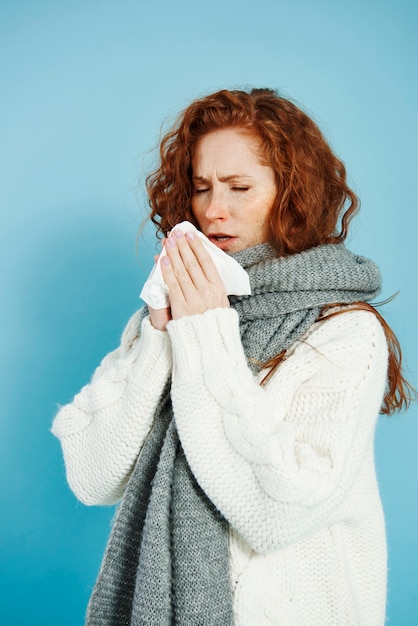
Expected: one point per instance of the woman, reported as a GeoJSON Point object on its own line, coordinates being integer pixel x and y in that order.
{"type": "Point", "coordinates": [238, 431]}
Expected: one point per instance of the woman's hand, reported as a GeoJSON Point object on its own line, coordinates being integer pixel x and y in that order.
{"type": "Point", "coordinates": [159, 317]}
{"type": "Point", "coordinates": [193, 282]}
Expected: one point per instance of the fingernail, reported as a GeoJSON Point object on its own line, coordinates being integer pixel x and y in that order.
{"type": "Point", "coordinates": [178, 234]}
{"type": "Point", "coordinates": [190, 235]}
{"type": "Point", "coordinates": [165, 260]}
{"type": "Point", "coordinates": [171, 242]}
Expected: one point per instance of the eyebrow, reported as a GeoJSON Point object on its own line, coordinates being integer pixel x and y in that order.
{"type": "Point", "coordinates": [222, 179]}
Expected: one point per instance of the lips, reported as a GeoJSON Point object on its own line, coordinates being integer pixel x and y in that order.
{"type": "Point", "coordinates": [221, 240]}
{"type": "Point", "coordinates": [217, 237]}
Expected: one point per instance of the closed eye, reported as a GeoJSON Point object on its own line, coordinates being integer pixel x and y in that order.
{"type": "Point", "coordinates": [197, 191]}
{"type": "Point", "coordinates": [235, 188]}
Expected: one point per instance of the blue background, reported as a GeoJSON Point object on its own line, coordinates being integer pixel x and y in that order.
{"type": "Point", "coordinates": [84, 89]}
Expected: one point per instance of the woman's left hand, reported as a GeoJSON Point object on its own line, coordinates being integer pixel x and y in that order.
{"type": "Point", "coordinates": [193, 281]}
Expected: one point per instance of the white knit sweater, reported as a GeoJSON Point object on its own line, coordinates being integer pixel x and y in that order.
{"type": "Point", "coordinates": [289, 464]}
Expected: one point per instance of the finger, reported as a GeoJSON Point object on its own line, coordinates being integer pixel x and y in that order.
{"type": "Point", "coordinates": [176, 289]}
{"type": "Point", "coordinates": [185, 264]}
{"type": "Point", "coordinates": [205, 260]}
{"type": "Point", "coordinates": [189, 268]}
{"type": "Point", "coordinates": [197, 259]}
{"type": "Point", "coordinates": [186, 298]}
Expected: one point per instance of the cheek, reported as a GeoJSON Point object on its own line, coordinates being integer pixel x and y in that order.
{"type": "Point", "coordinates": [263, 206]}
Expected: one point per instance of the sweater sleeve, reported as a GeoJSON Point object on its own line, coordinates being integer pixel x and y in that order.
{"type": "Point", "coordinates": [103, 429]}
{"type": "Point", "coordinates": [277, 460]}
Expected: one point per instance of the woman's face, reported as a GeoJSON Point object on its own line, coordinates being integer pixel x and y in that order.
{"type": "Point", "coordinates": [233, 191]}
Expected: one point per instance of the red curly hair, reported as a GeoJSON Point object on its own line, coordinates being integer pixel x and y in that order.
{"type": "Point", "coordinates": [314, 203]}
{"type": "Point", "coordinates": [313, 206]}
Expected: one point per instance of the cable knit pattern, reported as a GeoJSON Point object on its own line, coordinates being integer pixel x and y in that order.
{"type": "Point", "coordinates": [307, 540]}
{"type": "Point", "coordinates": [104, 427]}
{"type": "Point", "coordinates": [288, 465]}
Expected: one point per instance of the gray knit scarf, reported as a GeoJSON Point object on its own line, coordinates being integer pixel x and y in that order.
{"type": "Point", "coordinates": [166, 562]}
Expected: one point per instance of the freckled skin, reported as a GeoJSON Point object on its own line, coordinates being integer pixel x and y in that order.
{"type": "Point", "coordinates": [233, 191]}
{"type": "Point", "coordinates": [232, 196]}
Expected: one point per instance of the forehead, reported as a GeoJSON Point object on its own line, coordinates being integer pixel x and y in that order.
{"type": "Point", "coordinates": [227, 146]}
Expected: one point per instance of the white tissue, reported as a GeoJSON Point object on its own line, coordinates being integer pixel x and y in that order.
{"type": "Point", "coordinates": [236, 279]}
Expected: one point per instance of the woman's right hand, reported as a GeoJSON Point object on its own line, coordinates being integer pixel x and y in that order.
{"type": "Point", "coordinates": [160, 317]}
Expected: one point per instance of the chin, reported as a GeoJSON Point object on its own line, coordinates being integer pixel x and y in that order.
{"type": "Point", "coordinates": [239, 246]}
{"type": "Point", "coordinates": [234, 247]}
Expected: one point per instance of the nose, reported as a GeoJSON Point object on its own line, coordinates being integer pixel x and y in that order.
{"type": "Point", "coordinates": [216, 208]}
